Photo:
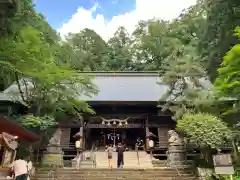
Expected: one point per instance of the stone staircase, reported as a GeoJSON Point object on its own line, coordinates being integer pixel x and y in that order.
{"type": "Point", "coordinates": [85, 162]}
{"type": "Point", "coordinates": [145, 160]}
{"type": "Point", "coordinates": [102, 159]}
{"type": "Point", "coordinates": [130, 160]}
{"type": "Point", "coordinates": [114, 174]}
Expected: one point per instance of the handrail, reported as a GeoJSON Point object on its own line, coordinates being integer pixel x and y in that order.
{"type": "Point", "coordinates": [136, 149]}
{"type": "Point", "coordinates": [93, 155]}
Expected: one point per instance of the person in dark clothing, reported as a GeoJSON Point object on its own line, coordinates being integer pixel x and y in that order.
{"type": "Point", "coordinates": [120, 158]}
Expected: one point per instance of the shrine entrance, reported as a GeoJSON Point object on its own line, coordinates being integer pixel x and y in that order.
{"type": "Point", "coordinates": [112, 136]}
{"type": "Point", "coordinates": [103, 137]}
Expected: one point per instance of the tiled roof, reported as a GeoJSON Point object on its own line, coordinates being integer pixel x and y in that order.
{"type": "Point", "coordinates": [120, 86]}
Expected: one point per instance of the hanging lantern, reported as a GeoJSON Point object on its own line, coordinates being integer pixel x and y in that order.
{"type": "Point", "coordinates": [126, 122]}
{"type": "Point", "coordinates": [109, 123]}
{"type": "Point", "coordinates": [120, 123]}
{"type": "Point", "coordinates": [114, 122]}
{"type": "Point", "coordinates": [103, 122]}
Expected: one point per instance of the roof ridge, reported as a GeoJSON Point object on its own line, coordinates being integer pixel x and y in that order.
{"type": "Point", "coordinates": [121, 73]}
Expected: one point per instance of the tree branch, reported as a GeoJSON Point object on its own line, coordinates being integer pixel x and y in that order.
{"type": "Point", "coordinates": [19, 86]}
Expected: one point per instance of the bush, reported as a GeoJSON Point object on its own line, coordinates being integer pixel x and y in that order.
{"type": "Point", "coordinates": [203, 129]}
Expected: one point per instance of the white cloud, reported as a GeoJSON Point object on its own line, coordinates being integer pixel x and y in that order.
{"type": "Point", "coordinates": [145, 9]}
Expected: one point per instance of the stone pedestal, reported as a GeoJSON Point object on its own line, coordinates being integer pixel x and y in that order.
{"type": "Point", "coordinates": [177, 155]}
{"type": "Point", "coordinates": [52, 159]}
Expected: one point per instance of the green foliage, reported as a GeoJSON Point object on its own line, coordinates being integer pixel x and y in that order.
{"type": "Point", "coordinates": [204, 130]}
{"type": "Point", "coordinates": [228, 81]}
{"type": "Point", "coordinates": [221, 19]}
{"type": "Point", "coordinates": [151, 47]}
{"type": "Point", "coordinates": [119, 57]}
{"type": "Point", "coordinates": [34, 56]}
{"type": "Point", "coordinates": [187, 80]}
{"type": "Point", "coordinates": [30, 121]}
{"type": "Point", "coordinates": [181, 65]}
{"type": "Point", "coordinates": [32, 59]}
{"type": "Point", "coordinates": [54, 86]}
{"type": "Point", "coordinates": [88, 50]}
{"type": "Point", "coordinates": [153, 44]}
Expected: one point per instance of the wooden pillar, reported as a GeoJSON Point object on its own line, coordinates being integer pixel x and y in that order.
{"type": "Point", "coordinates": [104, 140]}
{"type": "Point", "coordinates": [81, 138]}
{"type": "Point", "coordinates": [147, 133]}
{"type": "Point", "coordinates": [159, 136]}
{"type": "Point", "coordinates": [84, 138]}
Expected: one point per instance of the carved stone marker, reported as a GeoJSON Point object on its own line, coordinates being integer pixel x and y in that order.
{"type": "Point", "coordinates": [223, 164]}
{"type": "Point", "coordinates": [54, 154]}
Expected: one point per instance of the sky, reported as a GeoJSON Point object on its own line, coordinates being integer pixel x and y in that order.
{"type": "Point", "coordinates": [105, 16]}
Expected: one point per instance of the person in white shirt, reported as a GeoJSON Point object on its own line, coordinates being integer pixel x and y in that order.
{"type": "Point", "coordinates": [19, 168]}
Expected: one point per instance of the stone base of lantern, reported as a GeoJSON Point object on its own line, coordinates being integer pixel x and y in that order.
{"type": "Point", "coordinates": [52, 159]}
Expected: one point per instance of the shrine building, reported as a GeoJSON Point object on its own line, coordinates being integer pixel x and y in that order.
{"type": "Point", "coordinates": [126, 108]}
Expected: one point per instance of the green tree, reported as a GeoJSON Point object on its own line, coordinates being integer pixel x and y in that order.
{"type": "Point", "coordinates": [152, 44]}
{"type": "Point", "coordinates": [187, 82]}
{"type": "Point", "coordinates": [222, 18]}
{"type": "Point", "coordinates": [119, 52]}
{"type": "Point", "coordinates": [42, 83]}
{"type": "Point", "coordinates": [228, 82]}
{"type": "Point", "coordinates": [16, 16]}
{"type": "Point", "coordinates": [155, 42]}
{"type": "Point", "coordinates": [89, 50]}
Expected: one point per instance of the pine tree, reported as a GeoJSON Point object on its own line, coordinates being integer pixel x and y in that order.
{"type": "Point", "coordinates": [187, 82]}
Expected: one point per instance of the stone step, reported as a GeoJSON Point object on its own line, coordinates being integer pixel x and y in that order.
{"type": "Point", "coordinates": [126, 178]}
{"type": "Point", "coordinates": [130, 159]}
{"type": "Point", "coordinates": [120, 177]}
{"type": "Point", "coordinates": [117, 170]}
{"type": "Point", "coordinates": [137, 176]}
{"type": "Point", "coordinates": [137, 169]}
{"type": "Point", "coordinates": [114, 174]}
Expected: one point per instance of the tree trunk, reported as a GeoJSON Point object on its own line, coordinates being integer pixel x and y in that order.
{"type": "Point", "coordinates": [235, 150]}
{"type": "Point", "coordinates": [38, 110]}
{"type": "Point", "coordinates": [206, 152]}
{"type": "Point", "coordinates": [19, 86]}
